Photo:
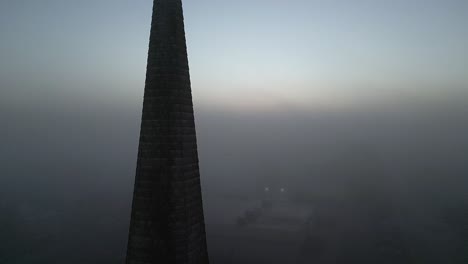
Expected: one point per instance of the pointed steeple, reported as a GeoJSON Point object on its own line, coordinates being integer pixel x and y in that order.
{"type": "Point", "coordinates": [167, 222]}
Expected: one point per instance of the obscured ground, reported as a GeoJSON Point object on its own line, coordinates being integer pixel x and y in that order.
{"type": "Point", "coordinates": [322, 230]}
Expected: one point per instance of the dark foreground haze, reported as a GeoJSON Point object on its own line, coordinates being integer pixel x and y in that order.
{"type": "Point", "coordinates": [383, 184]}
{"type": "Point", "coordinates": [329, 132]}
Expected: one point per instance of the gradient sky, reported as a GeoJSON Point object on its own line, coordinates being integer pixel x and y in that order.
{"type": "Point", "coordinates": [275, 86]}
{"type": "Point", "coordinates": [245, 54]}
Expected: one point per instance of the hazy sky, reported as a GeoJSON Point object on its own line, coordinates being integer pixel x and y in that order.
{"type": "Point", "coordinates": [245, 54]}
{"type": "Point", "coordinates": [273, 84]}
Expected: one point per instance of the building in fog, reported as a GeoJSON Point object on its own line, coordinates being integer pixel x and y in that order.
{"type": "Point", "coordinates": [167, 221]}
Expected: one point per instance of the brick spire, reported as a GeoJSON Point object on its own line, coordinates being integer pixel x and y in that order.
{"type": "Point", "coordinates": [167, 222]}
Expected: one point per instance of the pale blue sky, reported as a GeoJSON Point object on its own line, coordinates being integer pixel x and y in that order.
{"type": "Point", "coordinates": [245, 54]}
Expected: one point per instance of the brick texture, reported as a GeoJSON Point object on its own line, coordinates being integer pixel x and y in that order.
{"type": "Point", "coordinates": [167, 222]}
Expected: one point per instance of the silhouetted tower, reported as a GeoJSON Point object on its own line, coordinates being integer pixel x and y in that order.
{"type": "Point", "coordinates": [167, 222]}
